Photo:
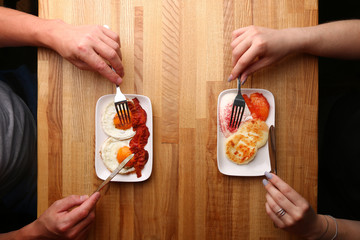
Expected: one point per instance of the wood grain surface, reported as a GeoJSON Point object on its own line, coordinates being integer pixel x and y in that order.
{"type": "Point", "coordinates": [178, 54]}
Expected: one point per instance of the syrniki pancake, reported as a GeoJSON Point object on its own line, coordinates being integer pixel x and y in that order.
{"type": "Point", "coordinates": [242, 146]}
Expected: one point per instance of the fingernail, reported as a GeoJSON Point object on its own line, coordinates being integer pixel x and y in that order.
{"type": "Point", "coordinates": [231, 77]}
{"type": "Point", "coordinates": [268, 175]}
{"type": "Point", "coordinates": [118, 81]}
{"type": "Point", "coordinates": [265, 182]}
{"type": "Point", "coordinates": [84, 197]}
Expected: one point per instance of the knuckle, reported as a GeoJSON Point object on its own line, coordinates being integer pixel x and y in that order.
{"type": "Point", "coordinates": [233, 46]}
{"type": "Point", "coordinates": [63, 228]}
{"type": "Point", "coordinates": [279, 198]}
{"type": "Point", "coordinates": [101, 66]}
{"type": "Point", "coordinates": [281, 225]}
{"type": "Point", "coordinates": [73, 197]}
{"type": "Point", "coordinates": [297, 216]}
{"type": "Point", "coordinates": [260, 43]}
{"type": "Point", "coordinates": [286, 191]}
{"type": "Point", "coordinates": [92, 216]}
{"type": "Point", "coordinates": [83, 213]}
{"type": "Point", "coordinates": [254, 29]}
{"type": "Point", "coordinates": [112, 54]}
{"type": "Point", "coordinates": [241, 63]}
{"type": "Point", "coordinates": [82, 48]}
{"type": "Point", "coordinates": [233, 34]}
{"type": "Point", "coordinates": [71, 235]}
{"type": "Point", "coordinates": [290, 222]}
{"type": "Point", "coordinates": [117, 47]}
{"type": "Point", "coordinates": [117, 39]}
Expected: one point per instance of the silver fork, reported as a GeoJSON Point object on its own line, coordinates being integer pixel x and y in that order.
{"type": "Point", "coordinates": [238, 108]}
{"type": "Point", "coordinates": [122, 107]}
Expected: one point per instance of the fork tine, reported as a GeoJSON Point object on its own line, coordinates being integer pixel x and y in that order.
{"type": "Point", "coordinates": [123, 111]}
{"type": "Point", "coordinates": [239, 116]}
{"type": "Point", "coordinates": [127, 115]}
{"type": "Point", "coordinates": [119, 113]}
{"type": "Point", "coordinates": [231, 118]}
{"type": "Point", "coordinates": [236, 117]}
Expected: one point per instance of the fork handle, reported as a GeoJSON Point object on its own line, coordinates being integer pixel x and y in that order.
{"type": "Point", "coordinates": [239, 85]}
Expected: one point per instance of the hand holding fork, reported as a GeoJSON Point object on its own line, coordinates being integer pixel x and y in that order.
{"type": "Point", "coordinates": [238, 108]}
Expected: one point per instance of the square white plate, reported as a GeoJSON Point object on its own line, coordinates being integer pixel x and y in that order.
{"type": "Point", "coordinates": [100, 136]}
{"type": "Point", "coordinates": [261, 162]}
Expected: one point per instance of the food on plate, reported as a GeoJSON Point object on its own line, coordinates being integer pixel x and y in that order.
{"type": "Point", "coordinates": [258, 105]}
{"type": "Point", "coordinates": [242, 146]}
{"type": "Point", "coordinates": [113, 152]}
{"type": "Point", "coordinates": [139, 141]}
{"type": "Point", "coordinates": [111, 124]}
{"type": "Point", "coordinates": [123, 142]}
{"type": "Point", "coordinates": [226, 104]}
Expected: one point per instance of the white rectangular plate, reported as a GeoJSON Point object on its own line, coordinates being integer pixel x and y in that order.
{"type": "Point", "coordinates": [261, 162]}
{"type": "Point", "coordinates": [100, 136]}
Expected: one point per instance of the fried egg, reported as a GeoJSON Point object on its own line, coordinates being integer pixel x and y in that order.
{"type": "Point", "coordinates": [112, 127]}
{"type": "Point", "coordinates": [113, 152]}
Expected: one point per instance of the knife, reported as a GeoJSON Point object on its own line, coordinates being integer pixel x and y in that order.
{"type": "Point", "coordinates": [272, 149]}
{"type": "Point", "coordinates": [116, 171]}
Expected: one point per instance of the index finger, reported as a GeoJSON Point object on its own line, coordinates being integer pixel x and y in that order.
{"type": "Point", "coordinates": [98, 64]}
{"type": "Point", "coordinates": [81, 212]}
{"type": "Point", "coordinates": [236, 33]}
{"type": "Point", "coordinates": [285, 189]}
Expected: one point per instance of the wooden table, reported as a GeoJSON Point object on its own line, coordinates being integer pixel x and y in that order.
{"type": "Point", "coordinates": [177, 53]}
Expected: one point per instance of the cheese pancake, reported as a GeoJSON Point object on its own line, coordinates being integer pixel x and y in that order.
{"type": "Point", "coordinates": [242, 146]}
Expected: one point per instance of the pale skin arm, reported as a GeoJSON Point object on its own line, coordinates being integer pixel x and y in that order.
{"type": "Point", "coordinates": [257, 47]}
{"type": "Point", "coordinates": [87, 47]}
{"type": "Point", "coordinates": [300, 218]}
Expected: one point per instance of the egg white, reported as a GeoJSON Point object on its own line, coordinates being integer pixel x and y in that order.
{"type": "Point", "coordinates": [109, 151]}
{"type": "Point", "coordinates": [108, 125]}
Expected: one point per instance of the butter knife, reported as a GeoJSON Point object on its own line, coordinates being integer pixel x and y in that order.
{"type": "Point", "coordinates": [116, 171]}
{"type": "Point", "coordinates": [272, 149]}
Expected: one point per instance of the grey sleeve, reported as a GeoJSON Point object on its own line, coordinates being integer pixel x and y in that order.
{"type": "Point", "coordinates": [17, 139]}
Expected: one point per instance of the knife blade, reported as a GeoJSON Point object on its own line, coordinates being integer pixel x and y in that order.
{"type": "Point", "coordinates": [116, 171]}
{"type": "Point", "coordinates": [272, 149]}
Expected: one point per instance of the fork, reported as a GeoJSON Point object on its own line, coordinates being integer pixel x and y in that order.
{"type": "Point", "coordinates": [121, 104]}
{"type": "Point", "coordinates": [122, 107]}
{"type": "Point", "coordinates": [238, 108]}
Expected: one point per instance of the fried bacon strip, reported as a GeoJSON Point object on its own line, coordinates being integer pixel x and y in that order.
{"type": "Point", "coordinates": [139, 141]}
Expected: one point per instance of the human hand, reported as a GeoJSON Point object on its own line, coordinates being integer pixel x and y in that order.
{"type": "Point", "coordinates": [298, 216]}
{"type": "Point", "coordinates": [67, 218]}
{"type": "Point", "coordinates": [89, 48]}
{"type": "Point", "coordinates": [256, 47]}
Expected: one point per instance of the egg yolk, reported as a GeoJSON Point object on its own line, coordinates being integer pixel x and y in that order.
{"type": "Point", "coordinates": [118, 124]}
{"type": "Point", "coordinates": [123, 153]}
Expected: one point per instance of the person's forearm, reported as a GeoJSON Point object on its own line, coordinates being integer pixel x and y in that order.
{"type": "Point", "coordinates": [32, 231]}
{"type": "Point", "coordinates": [341, 228]}
{"type": "Point", "coordinates": [22, 29]}
{"type": "Point", "coordinates": [348, 229]}
{"type": "Point", "coordinates": [339, 39]}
